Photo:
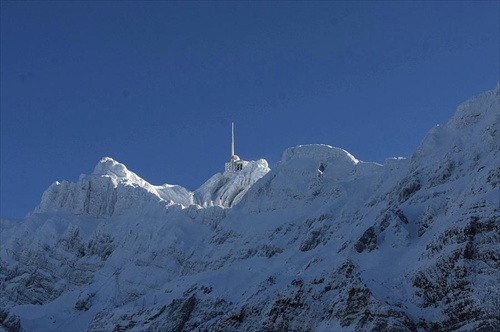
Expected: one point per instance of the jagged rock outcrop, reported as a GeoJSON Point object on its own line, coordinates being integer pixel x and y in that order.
{"type": "Point", "coordinates": [111, 189]}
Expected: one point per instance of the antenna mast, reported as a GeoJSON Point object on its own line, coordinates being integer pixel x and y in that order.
{"type": "Point", "coordinates": [232, 140]}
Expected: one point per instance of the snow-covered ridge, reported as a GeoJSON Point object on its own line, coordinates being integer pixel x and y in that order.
{"type": "Point", "coordinates": [119, 173]}
{"type": "Point", "coordinates": [319, 152]}
{"type": "Point", "coordinates": [306, 172]}
{"type": "Point", "coordinates": [112, 189]}
{"type": "Point", "coordinates": [482, 108]}
{"type": "Point", "coordinates": [472, 134]}
{"type": "Point", "coordinates": [323, 242]}
{"type": "Point", "coordinates": [108, 166]}
{"type": "Point", "coordinates": [227, 189]}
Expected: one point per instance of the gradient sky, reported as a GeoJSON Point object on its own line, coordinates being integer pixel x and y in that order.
{"type": "Point", "coordinates": [155, 85]}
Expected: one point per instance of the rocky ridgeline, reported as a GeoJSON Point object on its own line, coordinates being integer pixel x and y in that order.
{"type": "Point", "coordinates": [323, 242]}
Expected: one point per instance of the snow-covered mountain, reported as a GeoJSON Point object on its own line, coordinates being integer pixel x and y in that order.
{"type": "Point", "coordinates": [323, 242]}
{"type": "Point", "coordinates": [228, 188]}
{"type": "Point", "coordinates": [110, 190]}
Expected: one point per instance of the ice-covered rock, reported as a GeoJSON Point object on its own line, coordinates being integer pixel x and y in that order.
{"type": "Point", "coordinates": [110, 189]}
{"type": "Point", "coordinates": [113, 189]}
{"type": "Point", "coordinates": [226, 189]}
{"type": "Point", "coordinates": [472, 133]}
{"type": "Point", "coordinates": [308, 171]}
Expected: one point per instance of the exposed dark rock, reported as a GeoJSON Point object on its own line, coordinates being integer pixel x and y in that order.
{"type": "Point", "coordinates": [409, 189]}
{"type": "Point", "coordinates": [312, 240]}
{"type": "Point", "coordinates": [401, 215]}
{"type": "Point", "coordinates": [101, 245]}
{"type": "Point", "coordinates": [368, 241]}
{"type": "Point", "coordinates": [180, 312]}
{"type": "Point", "coordinates": [84, 304]}
{"type": "Point", "coordinates": [10, 322]}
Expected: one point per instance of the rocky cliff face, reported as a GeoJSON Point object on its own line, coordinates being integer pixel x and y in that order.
{"type": "Point", "coordinates": [323, 242]}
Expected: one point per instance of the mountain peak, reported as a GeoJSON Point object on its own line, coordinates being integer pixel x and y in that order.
{"type": "Point", "coordinates": [227, 189]}
{"type": "Point", "coordinates": [109, 166]}
{"type": "Point", "coordinates": [319, 152]}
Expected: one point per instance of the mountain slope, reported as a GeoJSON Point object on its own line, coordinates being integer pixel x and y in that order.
{"type": "Point", "coordinates": [323, 242]}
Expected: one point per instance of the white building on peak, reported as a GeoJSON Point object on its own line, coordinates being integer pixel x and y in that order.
{"type": "Point", "coordinates": [235, 164]}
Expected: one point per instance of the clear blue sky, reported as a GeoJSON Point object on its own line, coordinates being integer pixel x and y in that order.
{"type": "Point", "coordinates": [155, 85]}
